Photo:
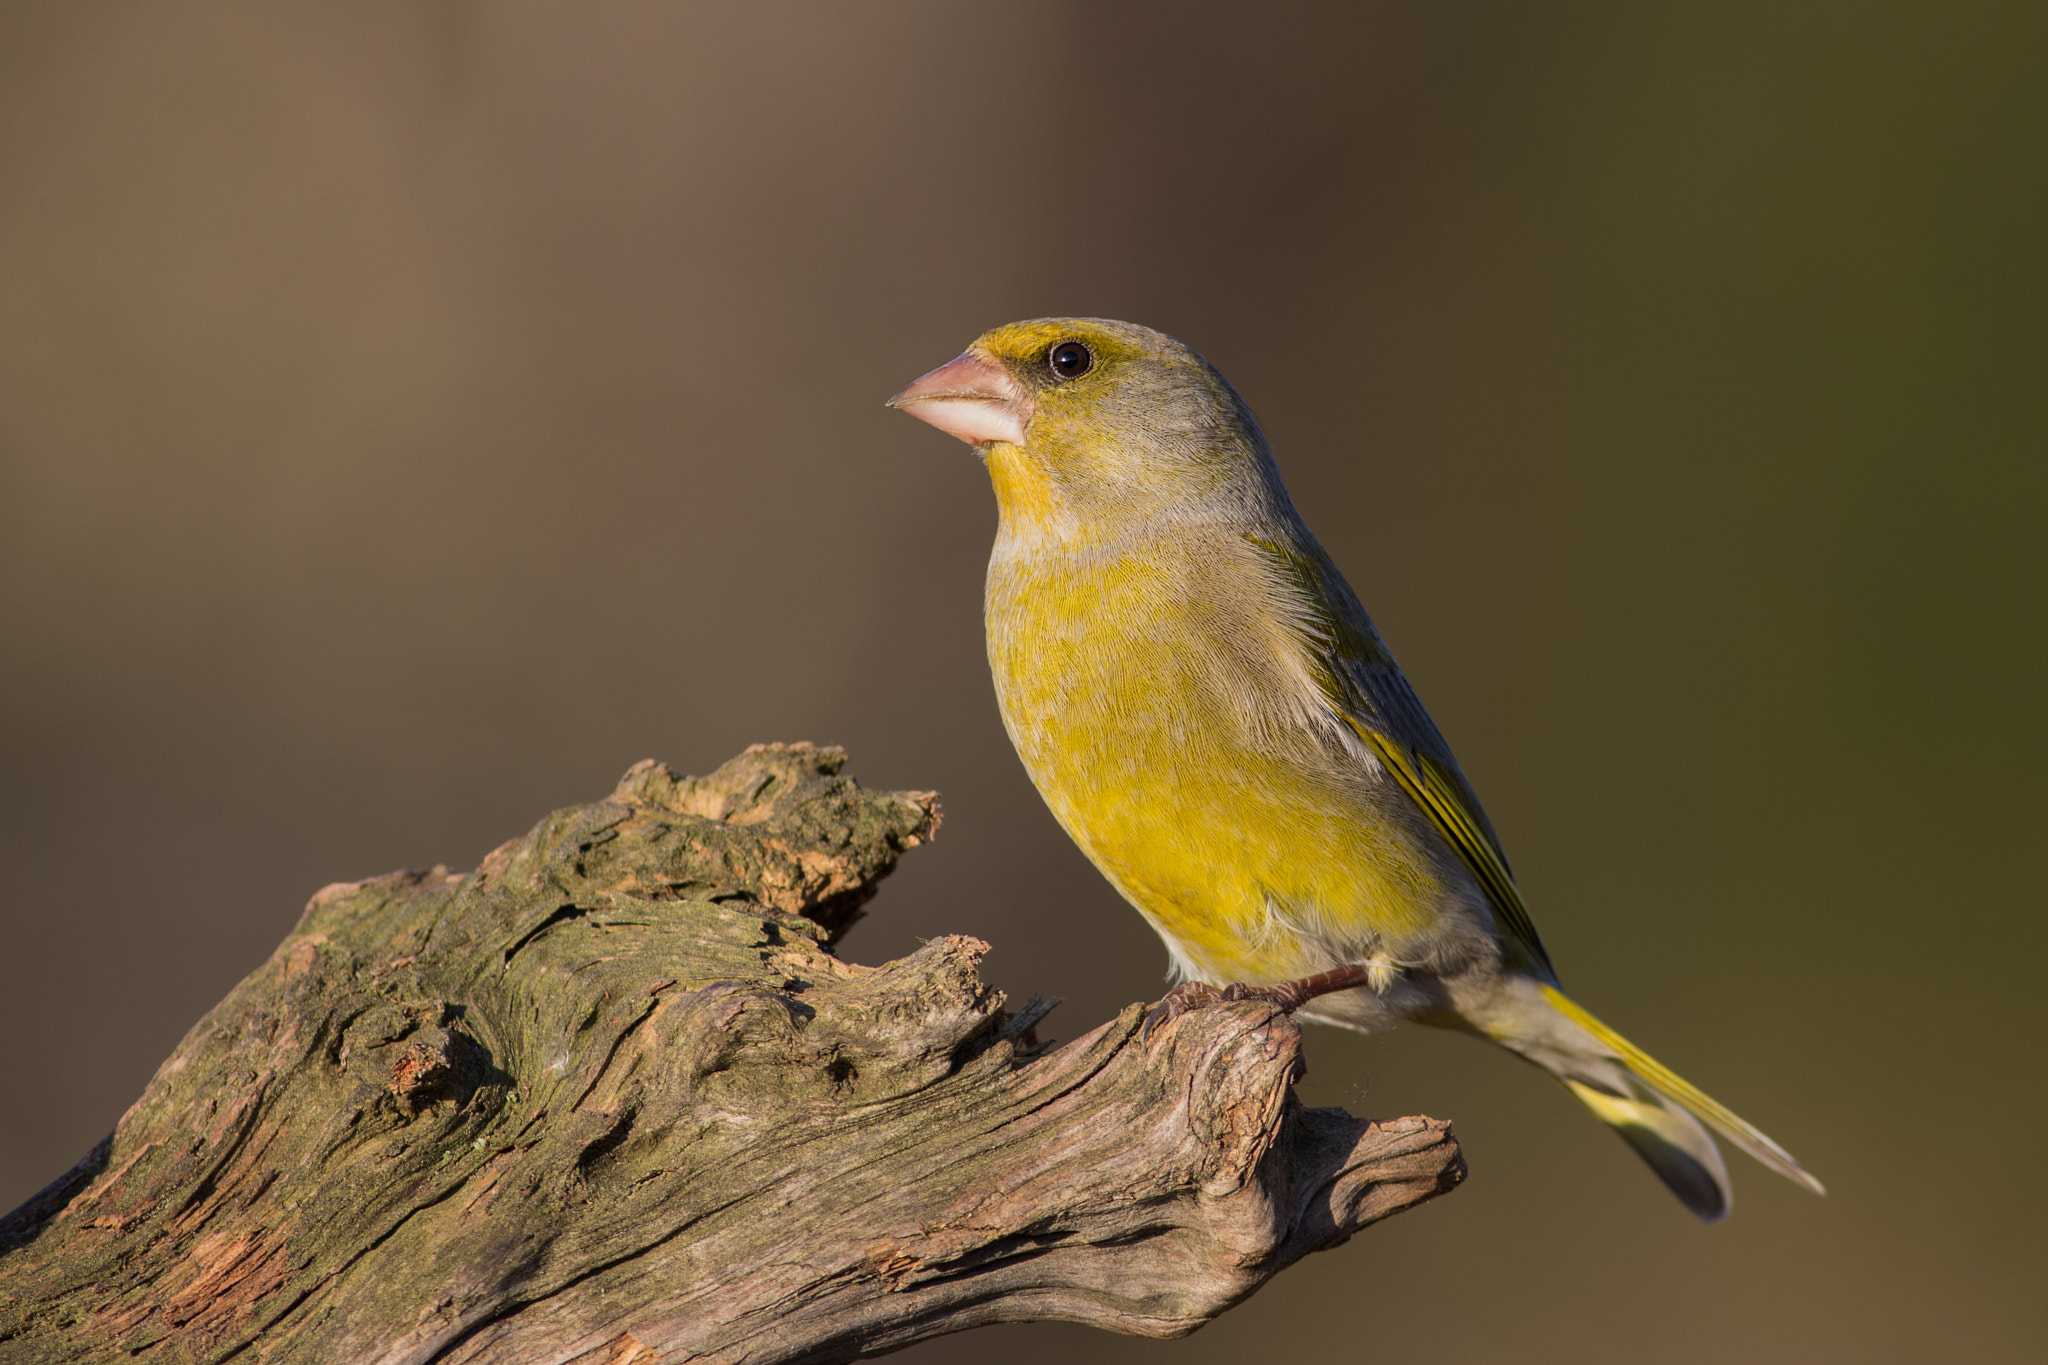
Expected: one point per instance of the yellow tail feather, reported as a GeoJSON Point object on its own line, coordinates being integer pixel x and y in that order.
{"type": "Point", "coordinates": [1672, 1142]}
{"type": "Point", "coordinates": [1625, 1112]}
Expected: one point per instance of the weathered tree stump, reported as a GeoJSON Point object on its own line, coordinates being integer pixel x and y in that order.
{"type": "Point", "coordinates": [610, 1097]}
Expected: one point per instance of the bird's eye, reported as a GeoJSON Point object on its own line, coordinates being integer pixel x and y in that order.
{"type": "Point", "coordinates": [1070, 359]}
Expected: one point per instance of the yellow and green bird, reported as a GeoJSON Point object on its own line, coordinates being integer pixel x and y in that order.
{"type": "Point", "coordinates": [1212, 716]}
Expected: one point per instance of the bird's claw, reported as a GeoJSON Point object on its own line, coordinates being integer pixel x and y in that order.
{"type": "Point", "coordinates": [1288, 995]}
{"type": "Point", "coordinates": [1189, 996]}
{"type": "Point", "coordinates": [1182, 999]}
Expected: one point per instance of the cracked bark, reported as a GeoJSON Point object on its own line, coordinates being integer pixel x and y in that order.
{"type": "Point", "coordinates": [611, 1097]}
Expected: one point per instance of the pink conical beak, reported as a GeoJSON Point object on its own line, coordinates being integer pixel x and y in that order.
{"type": "Point", "coordinates": [972, 398]}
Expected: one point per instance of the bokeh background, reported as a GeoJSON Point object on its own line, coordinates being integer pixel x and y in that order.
{"type": "Point", "coordinates": [413, 413]}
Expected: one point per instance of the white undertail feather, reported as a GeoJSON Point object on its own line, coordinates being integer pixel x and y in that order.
{"type": "Point", "coordinates": [1380, 971]}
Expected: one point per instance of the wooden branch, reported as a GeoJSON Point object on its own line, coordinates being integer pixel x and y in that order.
{"type": "Point", "coordinates": [611, 1098]}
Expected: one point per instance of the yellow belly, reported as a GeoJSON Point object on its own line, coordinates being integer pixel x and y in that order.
{"type": "Point", "coordinates": [1156, 713]}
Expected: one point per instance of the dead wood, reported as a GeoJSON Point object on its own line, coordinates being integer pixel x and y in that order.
{"type": "Point", "coordinates": [611, 1097]}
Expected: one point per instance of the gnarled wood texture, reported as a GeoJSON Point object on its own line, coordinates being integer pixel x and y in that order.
{"type": "Point", "coordinates": [610, 1097]}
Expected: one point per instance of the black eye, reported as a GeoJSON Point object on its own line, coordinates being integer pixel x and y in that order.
{"type": "Point", "coordinates": [1070, 359]}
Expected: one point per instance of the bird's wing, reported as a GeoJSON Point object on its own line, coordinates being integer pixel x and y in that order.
{"type": "Point", "coordinates": [1366, 689]}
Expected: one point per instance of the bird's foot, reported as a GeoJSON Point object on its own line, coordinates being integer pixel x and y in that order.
{"type": "Point", "coordinates": [1288, 995]}
{"type": "Point", "coordinates": [1185, 998]}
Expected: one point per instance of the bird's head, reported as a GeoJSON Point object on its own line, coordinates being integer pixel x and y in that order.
{"type": "Point", "coordinates": [1089, 423]}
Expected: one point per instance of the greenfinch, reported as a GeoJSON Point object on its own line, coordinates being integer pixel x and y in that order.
{"type": "Point", "coordinates": [1212, 716]}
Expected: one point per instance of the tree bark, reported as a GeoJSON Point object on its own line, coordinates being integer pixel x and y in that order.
{"type": "Point", "coordinates": [611, 1097]}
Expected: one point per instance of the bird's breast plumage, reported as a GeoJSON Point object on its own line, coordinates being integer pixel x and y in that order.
{"type": "Point", "coordinates": [1162, 707]}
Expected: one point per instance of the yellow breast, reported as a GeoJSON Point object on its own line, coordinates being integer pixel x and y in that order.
{"type": "Point", "coordinates": [1158, 701]}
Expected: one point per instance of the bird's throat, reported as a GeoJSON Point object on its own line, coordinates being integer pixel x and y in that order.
{"type": "Point", "coordinates": [1025, 498]}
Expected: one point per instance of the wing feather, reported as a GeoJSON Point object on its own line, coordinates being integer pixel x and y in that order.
{"type": "Point", "coordinates": [1366, 689]}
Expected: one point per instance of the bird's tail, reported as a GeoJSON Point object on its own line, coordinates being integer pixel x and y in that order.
{"type": "Point", "coordinates": [1655, 1110]}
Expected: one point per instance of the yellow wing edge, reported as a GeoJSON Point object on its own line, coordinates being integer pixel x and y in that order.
{"type": "Point", "coordinates": [1334, 641]}
{"type": "Point", "coordinates": [1430, 787]}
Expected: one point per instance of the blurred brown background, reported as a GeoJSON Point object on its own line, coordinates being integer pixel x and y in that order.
{"type": "Point", "coordinates": [411, 414]}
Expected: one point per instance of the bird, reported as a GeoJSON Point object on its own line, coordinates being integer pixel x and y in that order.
{"type": "Point", "coordinates": [1208, 711]}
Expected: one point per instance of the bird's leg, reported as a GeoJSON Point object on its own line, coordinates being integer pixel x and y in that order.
{"type": "Point", "coordinates": [1288, 995]}
{"type": "Point", "coordinates": [1292, 995]}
